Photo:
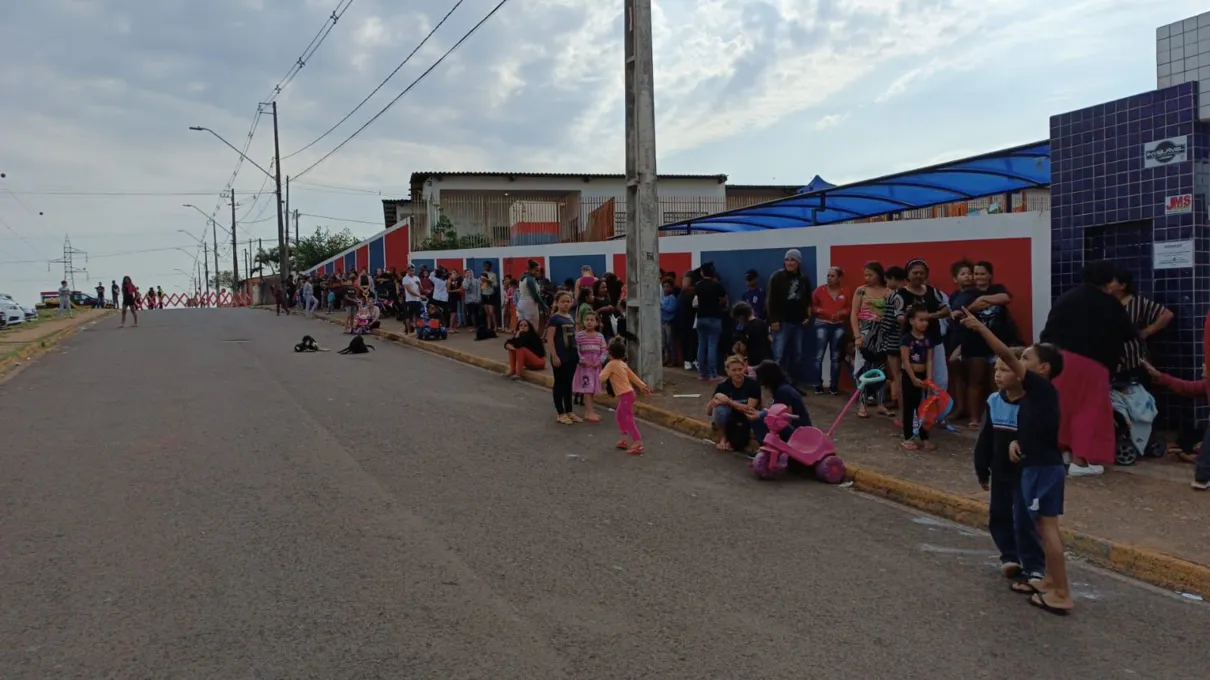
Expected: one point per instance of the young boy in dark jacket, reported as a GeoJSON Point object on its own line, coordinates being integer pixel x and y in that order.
{"type": "Point", "coordinates": [1011, 527]}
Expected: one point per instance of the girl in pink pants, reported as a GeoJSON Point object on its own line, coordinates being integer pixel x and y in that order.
{"type": "Point", "coordinates": [623, 381]}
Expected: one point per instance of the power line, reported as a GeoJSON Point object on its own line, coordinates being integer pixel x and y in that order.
{"type": "Point", "coordinates": [104, 255]}
{"type": "Point", "coordinates": [380, 85]}
{"type": "Point", "coordinates": [320, 36]}
{"type": "Point", "coordinates": [308, 52]}
{"type": "Point", "coordinates": [338, 219]}
{"type": "Point", "coordinates": [422, 76]}
{"type": "Point", "coordinates": [117, 193]}
{"type": "Point", "coordinates": [23, 240]}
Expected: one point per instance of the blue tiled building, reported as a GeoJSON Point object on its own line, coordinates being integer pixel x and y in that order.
{"type": "Point", "coordinates": [1128, 184]}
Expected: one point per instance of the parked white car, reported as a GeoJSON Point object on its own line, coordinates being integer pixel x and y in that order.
{"type": "Point", "coordinates": [12, 312]}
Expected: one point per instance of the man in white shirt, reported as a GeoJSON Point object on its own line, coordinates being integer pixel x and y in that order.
{"type": "Point", "coordinates": [65, 300]}
{"type": "Point", "coordinates": [412, 299]}
{"type": "Point", "coordinates": [441, 294]}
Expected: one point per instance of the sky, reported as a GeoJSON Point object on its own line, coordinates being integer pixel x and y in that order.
{"type": "Point", "coordinates": [99, 96]}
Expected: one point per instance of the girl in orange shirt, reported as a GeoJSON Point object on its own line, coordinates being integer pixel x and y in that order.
{"type": "Point", "coordinates": [623, 380]}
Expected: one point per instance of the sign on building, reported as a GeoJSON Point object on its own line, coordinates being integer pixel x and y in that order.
{"type": "Point", "coordinates": [1165, 152]}
{"type": "Point", "coordinates": [1179, 205]}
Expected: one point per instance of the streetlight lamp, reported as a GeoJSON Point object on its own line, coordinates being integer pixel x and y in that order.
{"type": "Point", "coordinates": [276, 177]}
{"type": "Point", "coordinates": [205, 256]}
{"type": "Point", "coordinates": [213, 235]}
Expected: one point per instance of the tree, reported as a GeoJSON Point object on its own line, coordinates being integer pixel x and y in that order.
{"type": "Point", "coordinates": [445, 237]}
{"type": "Point", "coordinates": [320, 246]}
{"type": "Point", "coordinates": [223, 280]}
{"type": "Point", "coordinates": [271, 258]}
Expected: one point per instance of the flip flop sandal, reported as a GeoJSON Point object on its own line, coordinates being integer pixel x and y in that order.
{"type": "Point", "coordinates": [1024, 588]}
{"type": "Point", "coordinates": [636, 450]}
{"type": "Point", "coordinates": [1039, 600]}
{"type": "Point", "coordinates": [623, 444]}
{"type": "Point", "coordinates": [592, 419]}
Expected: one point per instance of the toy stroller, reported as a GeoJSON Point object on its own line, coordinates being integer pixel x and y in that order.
{"type": "Point", "coordinates": [810, 446]}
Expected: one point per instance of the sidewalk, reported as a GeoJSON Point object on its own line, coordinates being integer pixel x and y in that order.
{"type": "Point", "coordinates": [1148, 506]}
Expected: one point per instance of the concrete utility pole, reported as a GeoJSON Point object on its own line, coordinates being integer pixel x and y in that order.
{"type": "Point", "coordinates": [206, 261]}
{"type": "Point", "coordinates": [283, 250]}
{"type": "Point", "coordinates": [642, 200]}
{"type": "Point", "coordinates": [214, 236]}
{"type": "Point", "coordinates": [234, 248]}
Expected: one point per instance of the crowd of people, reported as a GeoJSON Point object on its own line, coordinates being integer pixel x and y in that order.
{"type": "Point", "coordinates": [1041, 413]}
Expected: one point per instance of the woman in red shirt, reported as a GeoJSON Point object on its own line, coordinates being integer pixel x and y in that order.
{"type": "Point", "coordinates": [830, 310]}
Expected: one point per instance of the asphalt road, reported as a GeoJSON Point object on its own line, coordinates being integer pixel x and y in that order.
{"type": "Point", "coordinates": [192, 499]}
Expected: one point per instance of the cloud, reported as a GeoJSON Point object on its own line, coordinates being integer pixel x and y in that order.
{"type": "Point", "coordinates": [742, 87]}
{"type": "Point", "coordinates": [830, 121]}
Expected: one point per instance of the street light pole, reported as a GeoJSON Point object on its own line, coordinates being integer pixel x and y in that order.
{"type": "Point", "coordinates": [642, 201]}
{"type": "Point", "coordinates": [283, 250]}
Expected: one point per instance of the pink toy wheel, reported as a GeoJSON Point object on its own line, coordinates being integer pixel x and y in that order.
{"type": "Point", "coordinates": [766, 465]}
{"type": "Point", "coordinates": [830, 469]}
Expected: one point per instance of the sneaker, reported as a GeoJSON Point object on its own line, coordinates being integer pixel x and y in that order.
{"type": "Point", "coordinates": [1200, 486]}
{"type": "Point", "coordinates": [819, 390]}
{"type": "Point", "coordinates": [515, 377]}
{"type": "Point", "coordinates": [688, 365]}
{"type": "Point", "coordinates": [833, 391]}
{"type": "Point", "coordinates": [636, 450]}
{"type": "Point", "coordinates": [564, 419]}
{"type": "Point", "coordinates": [1010, 569]}
{"type": "Point", "coordinates": [1085, 471]}
{"type": "Point", "coordinates": [575, 418]}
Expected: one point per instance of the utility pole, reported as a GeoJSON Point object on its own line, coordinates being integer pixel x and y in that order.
{"type": "Point", "coordinates": [642, 200]}
{"type": "Point", "coordinates": [214, 235]}
{"type": "Point", "coordinates": [288, 210]}
{"type": "Point", "coordinates": [206, 260]}
{"type": "Point", "coordinates": [296, 228]}
{"type": "Point", "coordinates": [283, 251]}
{"type": "Point", "coordinates": [234, 248]}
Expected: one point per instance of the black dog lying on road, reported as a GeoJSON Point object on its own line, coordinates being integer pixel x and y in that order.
{"type": "Point", "coordinates": [357, 345]}
{"type": "Point", "coordinates": [308, 344]}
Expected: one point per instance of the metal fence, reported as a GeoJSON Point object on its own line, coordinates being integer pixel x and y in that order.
{"type": "Point", "coordinates": [496, 219]}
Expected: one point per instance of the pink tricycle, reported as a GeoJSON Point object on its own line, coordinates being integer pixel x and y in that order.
{"type": "Point", "coordinates": [809, 446]}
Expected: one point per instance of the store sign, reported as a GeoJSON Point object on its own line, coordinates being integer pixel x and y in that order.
{"type": "Point", "coordinates": [1179, 205]}
{"type": "Point", "coordinates": [1166, 152]}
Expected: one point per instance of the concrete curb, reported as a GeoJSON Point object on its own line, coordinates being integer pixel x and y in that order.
{"type": "Point", "coordinates": [1154, 567]}
{"type": "Point", "coordinates": [36, 348]}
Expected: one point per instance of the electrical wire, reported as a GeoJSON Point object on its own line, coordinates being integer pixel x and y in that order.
{"type": "Point", "coordinates": [337, 219]}
{"type": "Point", "coordinates": [312, 47]}
{"type": "Point", "coordinates": [380, 85]}
{"type": "Point", "coordinates": [330, 23]}
{"type": "Point", "coordinates": [118, 193]}
{"type": "Point", "coordinates": [105, 255]}
{"type": "Point", "coordinates": [421, 77]}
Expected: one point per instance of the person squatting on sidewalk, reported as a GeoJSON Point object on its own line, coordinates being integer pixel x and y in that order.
{"type": "Point", "coordinates": [622, 380]}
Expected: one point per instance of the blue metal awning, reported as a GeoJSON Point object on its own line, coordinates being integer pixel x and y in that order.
{"type": "Point", "coordinates": [992, 174]}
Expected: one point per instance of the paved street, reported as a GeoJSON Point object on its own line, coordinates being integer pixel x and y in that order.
{"type": "Point", "coordinates": [192, 499]}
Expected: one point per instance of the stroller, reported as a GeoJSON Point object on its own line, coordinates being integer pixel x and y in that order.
{"type": "Point", "coordinates": [1133, 418]}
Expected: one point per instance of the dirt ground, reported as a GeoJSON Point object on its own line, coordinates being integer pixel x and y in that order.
{"type": "Point", "coordinates": [1148, 505]}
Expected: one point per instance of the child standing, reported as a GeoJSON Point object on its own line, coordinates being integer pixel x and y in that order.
{"type": "Point", "coordinates": [560, 339]}
{"type": "Point", "coordinates": [916, 356]}
{"type": "Point", "coordinates": [623, 381]}
{"type": "Point", "coordinates": [583, 307]}
{"type": "Point", "coordinates": [668, 322]}
{"type": "Point", "coordinates": [1011, 527]}
{"type": "Point", "coordinates": [591, 348]}
{"type": "Point", "coordinates": [1036, 449]}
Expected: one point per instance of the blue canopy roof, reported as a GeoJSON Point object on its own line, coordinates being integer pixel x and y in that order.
{"type": "Point", "coordinates": [999, 172]}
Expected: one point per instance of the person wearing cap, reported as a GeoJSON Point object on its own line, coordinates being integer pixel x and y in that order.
{"type": "Point", "coordinates": [788, 308]}
{"type": "Point", "coordinates": [754, 295]}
